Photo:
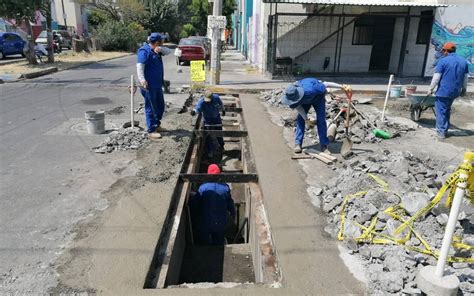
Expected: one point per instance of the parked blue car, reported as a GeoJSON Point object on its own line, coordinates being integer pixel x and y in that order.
{"type": "Point", "coordinates": [11, 43]}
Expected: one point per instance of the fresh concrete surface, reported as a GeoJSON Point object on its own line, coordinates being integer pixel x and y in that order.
{"type": "Point", "coordinates": [309, 259]}
{"type": "Point", "coordinates": [50, 178]}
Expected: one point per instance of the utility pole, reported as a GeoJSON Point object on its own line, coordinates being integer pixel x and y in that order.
{"type": "Point", "coordinates": [216, 51]}
{"type": "Point", "coordinates": [64, 14]}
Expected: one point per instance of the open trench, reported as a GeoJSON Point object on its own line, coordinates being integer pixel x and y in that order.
{"type": "Point", "coordinates": [249, 256]}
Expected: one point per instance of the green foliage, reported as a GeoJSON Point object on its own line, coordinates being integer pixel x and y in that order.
{"type": "Point", "coordinates": [164, 16]}
{"type": "Point", "coordinates": [19, 9]}
{"type": "Point", "coordinates": [199, 10]}
{"type": "Point", "coordinates": [97, 17]}
{"type": "Point", "coordinates": [187, 30]}
{"type": "Point", "coordinates": [118, 36]}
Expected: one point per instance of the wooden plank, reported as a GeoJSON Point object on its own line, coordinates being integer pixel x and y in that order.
{"type": "Point", "coordinates": [220, 178]}
{"type": "Point", "coordinates": [328, 156]}
{"type": "Point", "coordinates": [233, 109]}
{"type": "Point", "coordinates": [302, 156]}
{"type": "Point", "coordinates": [234, 134]}
{"type": "Point", "coordinates": [320, 157]}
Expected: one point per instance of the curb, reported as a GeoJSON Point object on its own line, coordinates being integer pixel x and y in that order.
{"type": "Point", "coordinates": [39, 73]}
{"type": "Point", "coordinates": [11, 62]}
{"type": "Point", "coordinates": [92, 62]}
{"type": "Point", "coordinates": [51, 70]}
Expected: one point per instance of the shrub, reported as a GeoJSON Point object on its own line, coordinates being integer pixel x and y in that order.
{"type": "Point", "coordinates": [118, 36]}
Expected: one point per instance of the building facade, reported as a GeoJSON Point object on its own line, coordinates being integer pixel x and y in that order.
{"type": "Point", "coordinates": [352, 36]}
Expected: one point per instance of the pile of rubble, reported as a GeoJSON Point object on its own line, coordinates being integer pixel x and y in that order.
{"type": "Point", "coordinates": [406, 184]}
{"type": "Point", "coordinates": [123, 139]}
{"type": "Point", "coordinates": [362, 124]}
{"type": "Point", "coordinates": [272, 97]}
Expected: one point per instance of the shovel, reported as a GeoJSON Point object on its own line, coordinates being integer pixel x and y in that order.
{"type": "Point", "coordinates": [346, 149]}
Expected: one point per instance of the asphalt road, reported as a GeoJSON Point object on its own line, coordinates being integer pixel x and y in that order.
{"type": "Point", "coordinates": [50, 179]}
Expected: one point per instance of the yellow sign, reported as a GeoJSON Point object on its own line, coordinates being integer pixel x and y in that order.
{"type": "Point", "coordinates": [198, 71]}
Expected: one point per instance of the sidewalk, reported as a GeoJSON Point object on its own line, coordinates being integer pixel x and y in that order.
{"type": "Point", "coordinates": [238, 75]}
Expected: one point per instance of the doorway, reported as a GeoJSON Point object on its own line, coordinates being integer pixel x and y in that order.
{"type": "Point", "coordinates": [382, 37]}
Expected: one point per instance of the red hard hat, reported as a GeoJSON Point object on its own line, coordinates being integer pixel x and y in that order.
{"type": "Point", "coordinates": [213, 169]}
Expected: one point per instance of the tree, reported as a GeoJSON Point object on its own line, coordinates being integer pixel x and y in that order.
{"type": "Point", "coordinates": [200, 9]}
{"type": "Point", "coordinates": [164, 16]}
{"type": "Point", "coordinates": [45, 9]}
{"type": "Point", "coordinates": [22, 11]}
{"type": "Point", "coordinates": [126, 11]}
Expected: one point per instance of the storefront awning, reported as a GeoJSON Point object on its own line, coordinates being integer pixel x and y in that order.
{"type": "Point", "coordinates": [429, 3]}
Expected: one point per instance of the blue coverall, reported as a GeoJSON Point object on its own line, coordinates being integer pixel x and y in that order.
{"type": "Point", "coordinates": [210, 208]}
{"type": "Point", "coordinates": [211, 113]}
{"type": "Point", "coordinates": [453, 69]}
{"type": "Point", "coordinates": [154, 75]}
{"type": "Point", "coordinates": [314, 96]}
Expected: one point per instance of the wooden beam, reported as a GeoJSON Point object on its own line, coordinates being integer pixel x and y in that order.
{"type": "Point", "coordinates": [233, 109]}
{"type": "Point", "coordinates": [234, 134]}
{"type": "Point", "coordinates": [220, 178]}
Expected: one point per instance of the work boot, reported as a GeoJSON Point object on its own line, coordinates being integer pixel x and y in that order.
{"type": "Point", "coordinates": [325, 149]}
{"type": "Point", "coordinates": [297, 148]}
{"type": "Point", "coordinates": [154, 136]}
{"type": "Point", "coordinates": [161, 129]}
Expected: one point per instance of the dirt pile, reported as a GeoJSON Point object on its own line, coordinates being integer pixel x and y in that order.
{"type": "Point", "coordinates": [370, 199]}
{"type": "Point", "coordinates": [123, 139]}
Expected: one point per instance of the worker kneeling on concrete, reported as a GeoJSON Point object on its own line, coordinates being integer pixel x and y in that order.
{"type": "Point", "coordinates": [210, 105]}
{"type": "Point", "coordinates": [210, 208]}
{"type": "Point", "coordinates": [304, 94]}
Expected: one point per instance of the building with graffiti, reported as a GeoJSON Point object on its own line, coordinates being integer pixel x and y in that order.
{"type": "Point", "coordinates": [454, 24]}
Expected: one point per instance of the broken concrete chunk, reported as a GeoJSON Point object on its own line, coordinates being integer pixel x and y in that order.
{"type": "Point", "coordinates": [414, 201]}
{"type": "Point", "coordinates": [442, 219]}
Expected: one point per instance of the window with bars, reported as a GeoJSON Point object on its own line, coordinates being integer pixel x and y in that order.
{"type": "Point", "coordinates": [363, 32]}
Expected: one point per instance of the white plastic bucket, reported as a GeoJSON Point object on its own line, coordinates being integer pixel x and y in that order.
{"type": "Point", "coordinates": [95, 122]}
{"type": "Point", "coordinates": [395, 91]}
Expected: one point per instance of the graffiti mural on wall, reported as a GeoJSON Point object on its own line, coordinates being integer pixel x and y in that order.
{"type": "Point", "coordinates": [462, 36]}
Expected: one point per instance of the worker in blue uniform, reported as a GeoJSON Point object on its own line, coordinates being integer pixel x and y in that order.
{"type": "Point", "coordinates": [211, 107]}
{"type": "Point", "coordinates": [304, 94]}
{"type": "Point", "coordinates": [210, 208]}
{"type": "Point", "coordinates": [450, 81]}
{"type": "Point", "coordinates": [150, 74]}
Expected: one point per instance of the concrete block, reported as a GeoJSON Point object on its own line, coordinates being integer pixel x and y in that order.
{"type": "Point", "coordinates": [433, 285]}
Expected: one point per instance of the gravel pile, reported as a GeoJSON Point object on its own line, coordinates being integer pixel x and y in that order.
{"type": "Point", "coordinates": [123, 139]}
{"type": "Point", "coordinates": [412, 182]}
{"type": "Point", "coordinates": [361, 127]}
{"type": "Point", "coordinates": [273, 96]}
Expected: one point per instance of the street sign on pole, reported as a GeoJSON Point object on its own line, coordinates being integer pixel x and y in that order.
{"type": "Point", "coordinates": [216, 22]}
{"type": "Point", "coordinates": [198, 71]}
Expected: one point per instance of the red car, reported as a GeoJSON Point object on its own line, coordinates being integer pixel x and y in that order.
{"type": "Point", "coordinates": [190, 49]}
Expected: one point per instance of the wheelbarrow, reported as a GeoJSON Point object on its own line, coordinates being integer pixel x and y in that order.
{"type": "Point", "coordinates": [420, 103]}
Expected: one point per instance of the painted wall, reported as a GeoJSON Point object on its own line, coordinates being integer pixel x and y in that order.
{"type": "Point", "coordinates": [74, 18]}
{"type": "Point", "coordinates": [455, 24]}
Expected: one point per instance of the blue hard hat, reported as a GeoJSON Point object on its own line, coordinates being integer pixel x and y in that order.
{"type": "Point", "coordinates": [155, 37]}
{"type": "Point", "coordinates": [293, 94]}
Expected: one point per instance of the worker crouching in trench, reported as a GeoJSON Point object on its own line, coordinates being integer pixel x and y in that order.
{"type": "Point", "coordinates": [210, 105]}
{"type": "Point", "coordinates": [210, 207]}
